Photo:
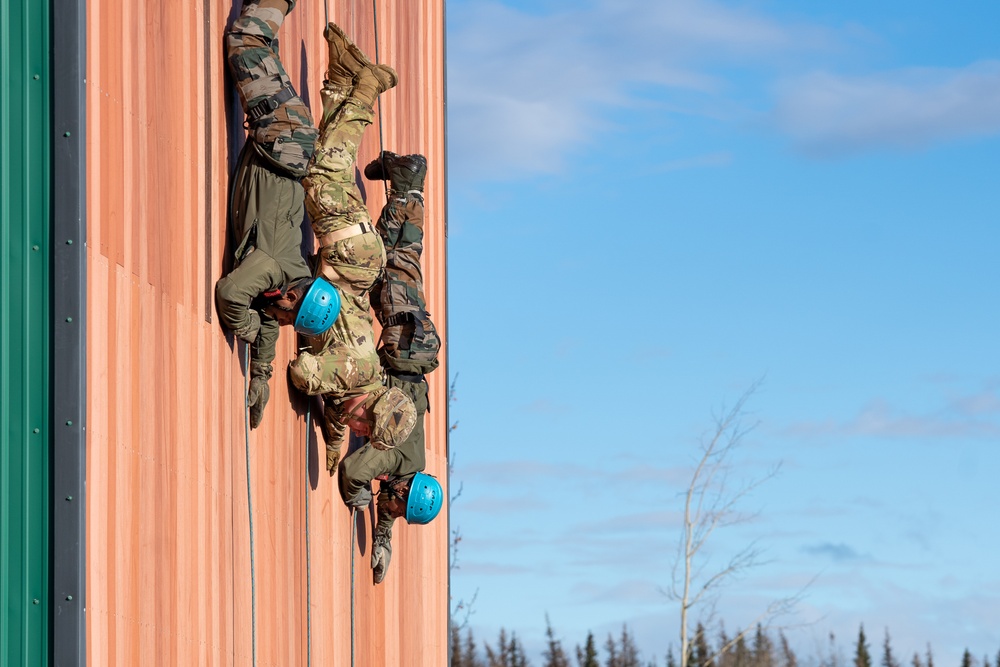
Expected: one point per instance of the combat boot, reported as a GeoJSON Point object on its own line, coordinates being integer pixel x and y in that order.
{"type": "Point", "coordinates": [346, 59]}
{"type": "Point", "coordinates": [405, 173]}
{"type": "Point", "coordinates": [342, 65]}
{"type": "Point", "coordinates": [371, 82]}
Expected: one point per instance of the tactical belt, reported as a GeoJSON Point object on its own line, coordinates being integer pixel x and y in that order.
{"type": "Point", "coordinates": [346, 233]}
{"type": "Point", "coordinates": [406, 377]}
{"type": "Point", "coordinates": [261, 109]}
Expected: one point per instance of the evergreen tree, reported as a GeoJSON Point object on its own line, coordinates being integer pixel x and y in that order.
{"type": "Point", "coordinates": [509, 653]}
{"type": "Point", "coordinates": [930, 656]}
{"type": "Point", "coordinates": [517, 656]}
{"type": "Point", "coordinates": [916, 662]}
{"type": "Point", "coordinates": [997, 664]}
{"type": "Point", "coordinates": [587, 656]}
{"type": "Point", "coordinates": [888, 659]}
{"type": "Point", "coordinates": [726, 656]}
{"type": "Point", "coordinates": [614, 659]}
{"type": "Point", "coordinates": [628, 651]}
{"type": "Point", "coordinates": [469, 653]}
{"type": "Point", "coordinates": [763, 649]}
{"type": "Point", "coordinates": [787, 654]}
{"type": "Point", "coordinates": [672, 661]}
{"type": "Point", "coordinates": [700, 652]}
{"type": "Point", "coordinates": [741, 653]}
{"type": "Point", "coordinates": [862, 658]}
{"type": "Point", "coordinates": [966, 659]}
{"type": "Point", "coordinates": [455, 648]}
{"type": "Point", "coordinates": [554, 655]}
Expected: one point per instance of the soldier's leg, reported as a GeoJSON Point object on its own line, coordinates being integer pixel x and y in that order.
{"type": "Point", "coordinates": [280, 122]}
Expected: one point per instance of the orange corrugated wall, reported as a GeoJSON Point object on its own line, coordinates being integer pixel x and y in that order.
{"type": "Point", "coordinates": [168, 556]}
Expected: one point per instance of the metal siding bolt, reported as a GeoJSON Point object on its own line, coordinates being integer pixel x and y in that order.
{"type": "Point", "coordinates": [37, 430]}
{"type": "Point", "coordinates": [69, 422]}
{"type": "Point", "coordinates": [35, 248]}
{"type": "Point", "coordinates": [69, 241]}
{"type": "Point", "coordinates": [69, 598]}
{"type": "Point", "coordinates": [36, 601]}
{"type": "Point", "coordinates": [69, 498]}
{"type": "Point", "coordinates": [69, 319]}
{"type": "Point", "coordinates": [36, 77]}
{"type": "Point", "coordinates": [66, 134]}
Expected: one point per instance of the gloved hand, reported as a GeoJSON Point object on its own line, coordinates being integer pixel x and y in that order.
{"type": "Point", "coordinates": [250, 331]}
{"type": "Point", "coordinates": [381, 555]}
{"type": "Point", "coordinates": [333, 433]}
{"type": "Point", "coordinates": [259, 392]}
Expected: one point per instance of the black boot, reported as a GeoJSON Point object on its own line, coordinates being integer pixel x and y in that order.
{"type": "Point", "coordinates": [404, 172]}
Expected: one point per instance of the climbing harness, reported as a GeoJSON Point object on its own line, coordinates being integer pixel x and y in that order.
{"type": "Point", "coordinates": [246, 432]}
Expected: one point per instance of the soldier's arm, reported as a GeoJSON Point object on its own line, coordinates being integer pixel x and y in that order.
{"type": "Point", "coordinates": [361, 467]}
{"type": "Point", "coordinates": [235, 292]}
{"type": "Point", "coordinates": [385, 521]}
{"type": "Point", "coordinates": [262, 350]}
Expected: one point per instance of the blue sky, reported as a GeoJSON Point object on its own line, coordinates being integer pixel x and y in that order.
{"type": "Point", "coordinates": [654, 205]}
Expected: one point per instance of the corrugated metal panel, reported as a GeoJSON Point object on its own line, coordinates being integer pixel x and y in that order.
{"type": "Point", "coordinates": [24, 324]}
{"type": "Point", "coordinates": [168, 564]}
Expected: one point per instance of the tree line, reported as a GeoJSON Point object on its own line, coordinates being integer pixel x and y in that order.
{"type": "Point", "coordinates": [758, 648]}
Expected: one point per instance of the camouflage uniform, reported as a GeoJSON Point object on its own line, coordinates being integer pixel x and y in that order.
{"type": "Point", "coordinates": [343, 361]}
{"type": "Point", "coordinates": [266, 199]}
{"type": "Point", "coordinates": [408, 348]}
{"type": "Point", "coordinates": [409, 343]}
{"type": "Point", "coordinates": [367, 463]}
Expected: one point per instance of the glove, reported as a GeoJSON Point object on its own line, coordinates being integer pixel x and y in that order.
{"type": "Point", "coordinates": [381, 555]}
{"type": "Point", "coordinates": [250, 331]}
{"type": "Point", "coordinates": [333, 433]}
{"type": "Point", "coordinates": [259, 392]}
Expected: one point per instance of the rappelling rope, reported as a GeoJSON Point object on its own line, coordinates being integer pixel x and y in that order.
{"type": "Point", "coordinates": [246, 432]}
{"type": "Point", "coordinates": [354, 532]}
{"type": "Point", "coordinates": [308, 551]}
{"type": "Point", "coordinates": [381, 142]}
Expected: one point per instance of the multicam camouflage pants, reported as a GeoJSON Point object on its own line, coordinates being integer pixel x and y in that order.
{"type": "Point", "coordinates": [286, 134]}
{"type": "Point", "coordinates": [334, 202]}
{"type": "Point", "coordinates": [343, 361]}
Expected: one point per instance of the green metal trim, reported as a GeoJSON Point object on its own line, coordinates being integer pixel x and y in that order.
{"type": "Point", "coordinates": [25, 412]}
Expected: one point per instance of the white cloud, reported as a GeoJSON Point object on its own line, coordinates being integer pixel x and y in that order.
{"type": "Point", "coordinates": [830, 114]}
{"type": "Point", "coordinates": [525, 91]}
{"type": "Point", "coordinates": [973, 416]}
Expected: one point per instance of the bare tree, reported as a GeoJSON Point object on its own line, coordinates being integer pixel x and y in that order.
{"type": "Point", "coordinates": [461, 609]}
{"type": "Point", "coordinates": [711, 502]}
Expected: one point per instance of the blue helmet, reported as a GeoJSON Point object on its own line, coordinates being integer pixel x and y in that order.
{"type": "Point", "coordinates": [318, 308]}
{"type": "Point", "coordinates": [425, 499]}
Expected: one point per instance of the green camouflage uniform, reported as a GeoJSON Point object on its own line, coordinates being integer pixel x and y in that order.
{"type": "Point", "coordinates": [266, 199]}
{"type": "Point", "coordinates": [285, 136]}
{"type": "Point", "coordinates": [409, 343]}
{"type": "Point", "coordinates": [408, 349]}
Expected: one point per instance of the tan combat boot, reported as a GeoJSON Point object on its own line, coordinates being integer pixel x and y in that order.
{"type": "Point", "coordinates": [346, 59]}
{"type": "Point", "coordinates": [372, 82]}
